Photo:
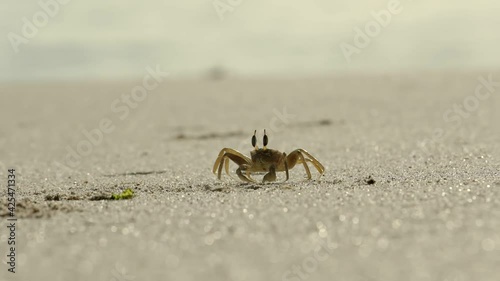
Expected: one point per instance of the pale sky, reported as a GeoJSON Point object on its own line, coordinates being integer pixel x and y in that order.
{"type": "Point", "coordinates": [112, 39]}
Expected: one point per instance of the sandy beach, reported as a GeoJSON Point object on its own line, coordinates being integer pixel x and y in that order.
{"type": "Point", "coordinates": [411, 189]}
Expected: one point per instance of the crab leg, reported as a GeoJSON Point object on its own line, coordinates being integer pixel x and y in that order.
{"type": "Point", "coordinates": [317, 165]}
{"type": "Point", "coordinates": [314, 161]}
{"type": "Point", "coordinates": [246, 177]}
{"type": "Point", "coordinates": [227, 154]}
{"type": "Point", "coordinates": [286, 166]}
{"type": "Point", "coordinates": [226, 167]}
{"type": "Point", "coordinates": [242, 158]}
{"type": "Point", "coordinates": [297, 157]}
{"type": "Point", "coordinates": [301, 157]}
{"type": "Point", "coordinates": [271, 175]}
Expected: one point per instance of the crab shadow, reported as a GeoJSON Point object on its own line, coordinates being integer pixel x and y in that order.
{"type": "Point", "coordinates": [288, 185]}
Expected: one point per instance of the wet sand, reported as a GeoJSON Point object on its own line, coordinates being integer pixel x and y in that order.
{"type": "Point", "coordinates": [407, 194]}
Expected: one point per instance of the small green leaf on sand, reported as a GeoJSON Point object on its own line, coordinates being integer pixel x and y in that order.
{"type": "Point", "coordinates": [126, 194]}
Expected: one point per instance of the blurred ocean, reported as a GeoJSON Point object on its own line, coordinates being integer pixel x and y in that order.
{"type": "Point", "coordinates": [114, 39]}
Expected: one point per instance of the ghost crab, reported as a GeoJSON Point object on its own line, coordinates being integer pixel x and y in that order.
{"type": "Point", "coordinates": [264, 160]}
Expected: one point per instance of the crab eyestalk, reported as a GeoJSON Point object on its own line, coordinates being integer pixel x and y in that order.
{"type": "Point", "coordinates": [265, 140]}
{"type": "Point", "coordinates": [254, 140]}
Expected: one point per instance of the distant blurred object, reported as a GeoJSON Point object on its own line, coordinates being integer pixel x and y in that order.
{"type": "Point", "coordinates": [217, 72]}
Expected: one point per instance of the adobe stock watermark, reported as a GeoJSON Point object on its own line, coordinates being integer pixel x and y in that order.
{"type": "Point", "coordinates": [464, 110]}
{"type": "Point", "coordinates": [120, 273]}
{"type": "Point", "coordinates": [224, 6]}
{"type": "Point", "coordinates": [121, 107]}
{"type": "Point", "coordinates": [48, 9]}
{"type": "Point", "coordinates": [310, 264]}
{"type": "Point", "coordinates": [363, 37]}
